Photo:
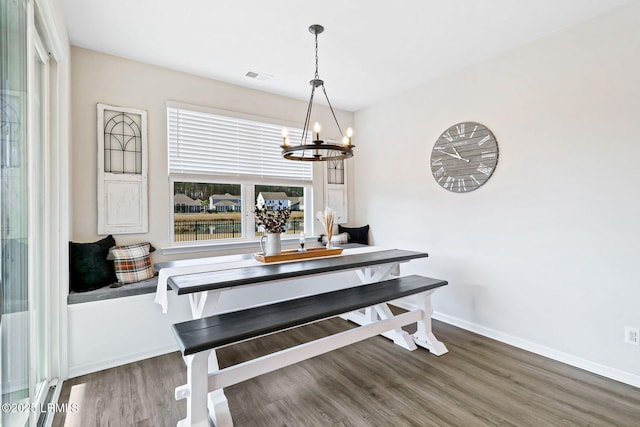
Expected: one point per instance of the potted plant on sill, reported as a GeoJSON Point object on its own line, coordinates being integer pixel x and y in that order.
{"type": "Point", "coordinates": [274, 221]}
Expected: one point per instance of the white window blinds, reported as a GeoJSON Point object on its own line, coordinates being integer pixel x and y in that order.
{"type": "Point", "coordinates": [204, 143]}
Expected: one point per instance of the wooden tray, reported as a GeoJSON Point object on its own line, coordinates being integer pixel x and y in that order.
{"type": "Point", "coordinates": [294, 254]}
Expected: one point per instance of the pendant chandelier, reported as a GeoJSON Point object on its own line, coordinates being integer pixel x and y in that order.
{"type": "Point", "coordinates": [317, 150]}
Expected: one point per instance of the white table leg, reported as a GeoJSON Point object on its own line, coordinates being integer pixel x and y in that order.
{"type": "Point", "coordinates": [381, 311]}
{"type": "Point", "coordinates": [216, 400]}
{"type": "Point", "coordinates": [196, 391]}
{"type": "Point", "coordinates": [424, 337]}
{"type": "Point", "coordinates": [196, 302]}
{"type": "Point", "coordinates": [398, 335]}
{"type": "Point", "coordinates": [376, 274]}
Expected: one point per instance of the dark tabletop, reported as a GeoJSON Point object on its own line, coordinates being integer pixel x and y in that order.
{"type": "Point", "coordinates": [198, 282]}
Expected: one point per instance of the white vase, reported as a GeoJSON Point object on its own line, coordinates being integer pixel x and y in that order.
{"type": "Point", "coordinates": [270, 244]}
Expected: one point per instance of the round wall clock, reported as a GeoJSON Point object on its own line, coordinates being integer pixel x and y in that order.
{"type": "Point", "coordinates": [464, 157]}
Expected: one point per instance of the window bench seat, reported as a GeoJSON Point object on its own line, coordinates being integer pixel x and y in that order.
{"type": "Point", "coordinates": [107, 292]}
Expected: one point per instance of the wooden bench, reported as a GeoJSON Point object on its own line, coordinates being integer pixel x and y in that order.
{"type": "Point", "coordinates": [198, 337]}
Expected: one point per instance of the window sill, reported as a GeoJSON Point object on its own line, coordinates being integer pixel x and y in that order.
{"type": "Point", "coordinates": [254, 246]}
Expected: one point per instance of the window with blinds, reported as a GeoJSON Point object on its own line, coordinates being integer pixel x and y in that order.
{"type": "Point", "coordinates": [219, 166]}
{"type": "Point", "coordinates": [205, 143]}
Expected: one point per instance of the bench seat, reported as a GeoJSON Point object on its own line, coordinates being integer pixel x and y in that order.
{"type": "Point", "coordinates": [215, 331]}
{"type": "Point", "coordinates": [107, 292]}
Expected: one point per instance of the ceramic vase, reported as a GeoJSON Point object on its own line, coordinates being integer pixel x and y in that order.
{"type": "Point", "coordinates": [270, 244]}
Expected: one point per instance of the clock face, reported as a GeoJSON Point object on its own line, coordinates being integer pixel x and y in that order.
{"type": "Point", "coordinates": [464, 157]}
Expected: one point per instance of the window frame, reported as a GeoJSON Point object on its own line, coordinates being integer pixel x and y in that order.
{"type": "Point", "coordinates": [248, 198]}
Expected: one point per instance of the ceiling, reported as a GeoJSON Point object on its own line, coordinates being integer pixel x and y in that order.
{"type": "Point", "coordinates": [370, 49]}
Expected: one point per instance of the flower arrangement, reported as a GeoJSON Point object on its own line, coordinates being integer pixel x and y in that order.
{"type": "Point", "coordinates": [327, 219]}
{"type": "Point", "coordinates": [273, 220]}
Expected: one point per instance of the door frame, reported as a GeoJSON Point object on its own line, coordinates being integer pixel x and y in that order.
{"type": "Point", "coordinates": [38, 156]}
{"type": "Point", "coordinates": [51, 29]}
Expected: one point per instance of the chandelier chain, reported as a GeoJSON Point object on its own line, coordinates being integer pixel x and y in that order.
{"type": "Point", "coordinates": [317, 75]}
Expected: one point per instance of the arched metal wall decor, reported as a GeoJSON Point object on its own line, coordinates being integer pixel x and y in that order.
{"type": "Point", "coordinates": [335, 188]}
{"type": "Point", "coordinates": [335, 171]}
{"type": "Point", "coordinates": [122, 170]}
{"type": "Point", "coordinates": [123, 143]}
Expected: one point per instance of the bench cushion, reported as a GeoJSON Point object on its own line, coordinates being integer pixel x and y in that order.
{"type": "Point", "coordinates": [215, 331]}
{"type": "Point", "coordinates": [108, 292]}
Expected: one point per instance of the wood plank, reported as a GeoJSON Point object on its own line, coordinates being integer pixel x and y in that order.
{"type": "Point", "coordinates": [199, 282]}
{"type": "Point", "coordinates": [214, 331]}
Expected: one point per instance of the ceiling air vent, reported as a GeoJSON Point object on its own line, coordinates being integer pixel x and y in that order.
{"type": "Point", "coordinates": [258, 76]}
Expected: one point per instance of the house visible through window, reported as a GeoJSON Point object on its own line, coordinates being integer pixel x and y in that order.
{"type": "Point", "coordinates": [206, 211]}
{"type": "Point", "coordinates": [278, 197]}
{"type": "Point", "coordinates": [221, 167]}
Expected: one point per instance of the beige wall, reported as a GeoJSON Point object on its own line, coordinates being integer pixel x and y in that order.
{"type": "Point", "coordinates": [544, 255]}
{"type": "Point", "coordinates": [97, 77]}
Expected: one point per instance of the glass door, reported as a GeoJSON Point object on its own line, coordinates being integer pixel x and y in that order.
{"type": "Point", "coordinates": [14, 214]}
{"type": "Point", "coordinates": [24, 192]}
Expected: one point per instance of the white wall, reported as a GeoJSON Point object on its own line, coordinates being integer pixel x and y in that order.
{"type": "Point", "coordinates": [97, 77]}
{"type": "Point", "coordinates": [544, 255]}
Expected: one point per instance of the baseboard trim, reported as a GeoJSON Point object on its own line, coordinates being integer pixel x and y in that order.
{"type": "Point", "coordinates": [569, 359]}
{"type": "Point", "coordinates": [89, 368]}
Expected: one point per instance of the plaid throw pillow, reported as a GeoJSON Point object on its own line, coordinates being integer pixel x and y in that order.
{"type": "Point", "coordinates": [132, 262]}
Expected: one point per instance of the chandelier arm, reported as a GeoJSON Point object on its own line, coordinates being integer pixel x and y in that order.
{"type": "Point", "coordinates": [332, 112]}
{"type": "Point", "coordinates": [305, 129]}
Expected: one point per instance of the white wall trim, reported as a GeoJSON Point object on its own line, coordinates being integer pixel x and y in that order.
{"type": "Point", "coordinates": [89, 368]}
{"type": "Point", "coordinates": [569, 359]}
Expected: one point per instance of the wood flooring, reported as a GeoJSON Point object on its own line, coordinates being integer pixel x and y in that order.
{"type": "Point", "coordinates": [480, 382]}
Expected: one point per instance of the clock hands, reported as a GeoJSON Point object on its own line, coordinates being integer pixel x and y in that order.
{"type": "Point", "coordinates": [454, 149]}
{"type": "Point", "coordinates": [448, 154]}
{"type": "Point", "coordinates": [458, 154]}
{"type": "Point", "coordinates": [455, 156]}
